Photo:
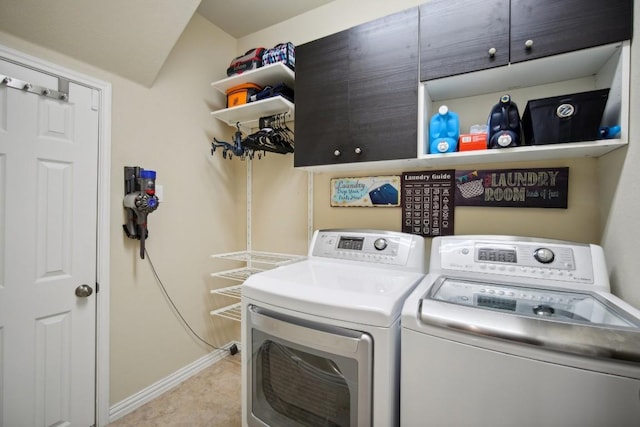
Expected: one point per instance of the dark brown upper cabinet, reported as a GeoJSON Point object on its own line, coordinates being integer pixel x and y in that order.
{"type": "Point", "coordinates": [462, 36]}
{"type": "Point", "coordinates": [542, 28]}
{"type": "Point", "coordinates": [357, 93]}
{"type": "Point", "coordinates": [458, 37]}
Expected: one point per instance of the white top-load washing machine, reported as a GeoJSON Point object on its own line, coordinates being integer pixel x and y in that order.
{"type": "Point", "coordinates": [321, 337]}
{"type": "Point", "coordinates": [510, 331]}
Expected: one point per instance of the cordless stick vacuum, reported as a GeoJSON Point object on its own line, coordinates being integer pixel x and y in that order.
{"type": "Point", "coordinates": [139, 200]}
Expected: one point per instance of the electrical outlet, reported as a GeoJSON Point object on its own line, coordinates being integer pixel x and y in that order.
{"type": "Point", "coordinates": [160, 193]}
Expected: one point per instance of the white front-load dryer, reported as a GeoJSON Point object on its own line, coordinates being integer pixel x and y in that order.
{"type": "Point", "coordinates": [321, 337]}
{"type": "Point", "coordinates": [508, 331]}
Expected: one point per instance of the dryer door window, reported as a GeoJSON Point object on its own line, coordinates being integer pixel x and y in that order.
{"type": "Point", "coordinates": [294, 383]}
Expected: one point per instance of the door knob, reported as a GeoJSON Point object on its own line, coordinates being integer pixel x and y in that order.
{"type": "Point", "coordinates": [83, 291]}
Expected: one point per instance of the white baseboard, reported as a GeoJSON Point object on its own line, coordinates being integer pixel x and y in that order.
{"type": "Point", "coordinates": [147, 394]}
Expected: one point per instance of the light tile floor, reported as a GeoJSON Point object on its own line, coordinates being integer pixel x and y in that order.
{"type": "Point", "coordinates": [210, 398]}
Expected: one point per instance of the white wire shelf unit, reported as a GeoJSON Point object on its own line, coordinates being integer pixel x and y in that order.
{"type": "Point", "coordinates": [231, 312]}
{"type": "Point", "coordinates": [241, 274]}
{"type": "Point", "coordinates": [271, 258]}
{"type": "Point", "coordinates": [255, 262]}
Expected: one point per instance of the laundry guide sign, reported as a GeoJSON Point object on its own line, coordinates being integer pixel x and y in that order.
{"type": "Point", "coordinates": [526, 188]}
{"type": "Point", "coordinates": [366, 191]}
{"type": "Point", "coordinates": [427, 203]}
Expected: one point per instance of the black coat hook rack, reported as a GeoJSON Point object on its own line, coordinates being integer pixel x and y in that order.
{"type": "Point", "coordinates": [274, 136]}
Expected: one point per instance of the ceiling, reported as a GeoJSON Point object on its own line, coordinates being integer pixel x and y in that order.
{"type": "Point", "coordinates": [242, 17]}
{"type": "Point", "coordinates": [133, 38]}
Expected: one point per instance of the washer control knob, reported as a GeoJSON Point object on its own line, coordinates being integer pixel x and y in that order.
{"type": "Point", "coordinates": [380, 244]}
{"type": "Point", "coordinates": [543, 310]}
{"type": "Point", "coordinates": [544, 255]}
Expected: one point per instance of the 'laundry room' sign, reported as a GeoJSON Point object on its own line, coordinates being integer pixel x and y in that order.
{"type": "Point", "coordinates": [526, 188]}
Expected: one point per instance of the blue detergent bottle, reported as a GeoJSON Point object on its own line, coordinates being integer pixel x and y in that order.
{"type": "Point", "coordinates": [444, 131]}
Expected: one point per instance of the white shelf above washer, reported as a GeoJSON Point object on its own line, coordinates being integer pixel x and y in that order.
{"type": "Point", "coordinates": [263, 76]}
{"type": "Point", "coordinates": [248, 115]}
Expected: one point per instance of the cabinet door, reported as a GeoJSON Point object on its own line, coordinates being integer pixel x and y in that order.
{"type": "Point", "coordinates": [456, 37]}
{"type": "Point", "coordinates": [562, 26]}
{"type": "Point", "coordinates": [383, 89]}
{"type": "Point", "coordinates": [321, 99]}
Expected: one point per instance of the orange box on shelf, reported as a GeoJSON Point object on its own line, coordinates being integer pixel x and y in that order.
{"type": "Point", "coordinates": [472, 141]}
{"type": "Point", "coordinates": [240, 94]}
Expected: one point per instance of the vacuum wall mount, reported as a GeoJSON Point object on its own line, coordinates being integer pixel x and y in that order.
{"type": "Point", "coordinates": [139, 201]}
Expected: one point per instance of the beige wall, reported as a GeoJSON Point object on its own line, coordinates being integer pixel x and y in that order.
{"type": "Point", "coordinates": [578, 223]}
{"type": "Point", "coordinates": [620, 197]}
{"type": "Point", "coordinates": [168, 128]}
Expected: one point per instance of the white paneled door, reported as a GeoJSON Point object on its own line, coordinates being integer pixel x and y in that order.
{"type": "Point", "coordinates": [48, 198]}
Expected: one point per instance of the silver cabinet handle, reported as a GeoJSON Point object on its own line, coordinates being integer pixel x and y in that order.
{"type": "Point", "coordinates": [358, 150]}
{"type": "Point", "coordinates": [528, 44]}
{"type": "Point", "coordinates": [337, 153]}
{"type": "Point", "coordinates": [492, 52]}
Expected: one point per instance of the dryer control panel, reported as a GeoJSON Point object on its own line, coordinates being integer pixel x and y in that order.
{"type": "Point", "coordinates": [382, 247]}
{"type": "Point", "coordinates": [541, 260]}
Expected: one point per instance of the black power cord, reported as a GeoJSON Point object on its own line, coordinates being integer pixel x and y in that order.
{"type": "Point", "coordinates": [233, 349]}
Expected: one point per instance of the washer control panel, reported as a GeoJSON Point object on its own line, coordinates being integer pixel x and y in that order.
{"type": "Point", "coordinates": [521, 257]}
{"type": "Point", "coordinates": [523, 300]}
{"type": "Point", "coordinates": [553, 304]}
{"type": "Point", "coordinates": [381, 247]}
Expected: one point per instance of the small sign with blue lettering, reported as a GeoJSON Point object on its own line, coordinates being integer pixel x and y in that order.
{"type": "Point", "coordinates": [366, 191]}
